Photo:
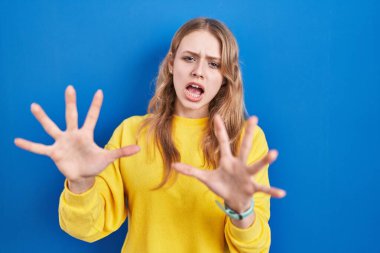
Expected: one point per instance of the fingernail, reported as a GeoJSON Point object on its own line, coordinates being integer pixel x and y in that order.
{"type": "Point", "coordinates": [254, 120]}
{"type": "Point", "coordinates": [273, 154]}
{"type": "Point", "coordinates": [282, 193]}
{"type": "Point", "coordinates": [70, 88]}
{"type": "Point", "coordinates": [33, 106]}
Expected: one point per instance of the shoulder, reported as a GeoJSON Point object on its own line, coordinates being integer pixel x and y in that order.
{"type": "Point", "coordinates": [127, 131]}
{"type": "Point", "coordinates": [259, 145]}
{"type": "Point", "coordinates": [258, 133]}
{"type": "Point", "coordinates": [133, 121]}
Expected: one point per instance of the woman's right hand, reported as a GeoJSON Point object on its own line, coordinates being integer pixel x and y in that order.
{"type": "Point", "coordinates": [74, 151]}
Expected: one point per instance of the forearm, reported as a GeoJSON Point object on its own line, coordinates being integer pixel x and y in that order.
{"type": "Point", "coordinates": [80, 214]}
{"type": "Point", "coordinates": [252, 233]}
{"type": "Point", "coordinates": [246, 222]}
{"type": "Point", "coordinates": [81, 185]}
{"type": "Point", "coordinates": [241, 208]}
{"type": "Point", "coordinates": [92, 213]}
{"type": "Point", "coordinates": [254, 239]}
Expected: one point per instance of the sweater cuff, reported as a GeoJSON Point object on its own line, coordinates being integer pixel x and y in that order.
{"type": "Point", "coordinates": [82, 199]}
{"type": "Point", "coordinates": [244, 234]}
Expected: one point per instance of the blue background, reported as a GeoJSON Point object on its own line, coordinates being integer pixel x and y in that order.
{"type": "Point", "coordinates": [311, 72]}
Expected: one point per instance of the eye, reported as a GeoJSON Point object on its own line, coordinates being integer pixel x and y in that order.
{"type": "Point", "coordinates": [188, 58]}
{"type": "Point", "coordinates": [214, 65]}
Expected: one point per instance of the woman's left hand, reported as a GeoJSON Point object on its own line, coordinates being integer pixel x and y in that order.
{"type": "Point", "coordinates": [232, 180]}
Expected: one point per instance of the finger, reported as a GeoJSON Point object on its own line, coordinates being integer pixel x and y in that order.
{"type": "Point", "coordinates": [124, 151]}
{"type": "Point", "coordinates": [71, 109]}
{"type": "Point", "coordinates": [273, 191]}
{"type": "Point", "coordinates": [270, 157]}
{"type": "Point", "coordinates": [188, 170]}
{"type": "Point", "coordinates": [49, 126]}
{"type": "Point", "coordinates": [93, 112]}
{"type": "Point", "coordinates": [222, 136]}
{"type": "Point", "coordinates": [32, 146]}
{"type": "Point", "coordinates": [246, 144]}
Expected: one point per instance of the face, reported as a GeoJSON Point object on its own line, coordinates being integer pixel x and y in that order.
{"type": "Point", "coordinates": [196, 73]}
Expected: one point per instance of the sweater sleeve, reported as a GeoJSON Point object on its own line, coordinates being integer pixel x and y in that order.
{"type": "Point", "coordinates": [257, 237]}
{"type": "Point", "coordinates": [99, 211]}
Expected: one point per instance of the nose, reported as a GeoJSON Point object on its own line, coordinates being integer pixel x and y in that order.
{"type": "Point", "coordinates": [198, 70]}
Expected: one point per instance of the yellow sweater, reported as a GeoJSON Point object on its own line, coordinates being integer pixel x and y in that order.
{"type": "Point", "coordinates": [180, 217]}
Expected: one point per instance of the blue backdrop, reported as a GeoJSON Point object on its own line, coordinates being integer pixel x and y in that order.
{"type": "Point", "coordinates": [312, 75]}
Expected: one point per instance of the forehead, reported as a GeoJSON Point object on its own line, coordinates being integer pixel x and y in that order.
{"type": "Point", "coordinates": [202, 42]}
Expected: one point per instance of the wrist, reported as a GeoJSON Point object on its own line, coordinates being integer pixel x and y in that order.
{"type": "Point", "coordinates": [244, 223]}
{"type": "Point", "coordinates": [234, 214]}
{"type": "Point", "coordinates": [239, 207]}
{"type": "Point", "coordinates": [79, 186]}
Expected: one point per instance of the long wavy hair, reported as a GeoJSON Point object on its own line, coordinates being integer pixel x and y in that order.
{"type": "Point", "coordinates": [228, 102]}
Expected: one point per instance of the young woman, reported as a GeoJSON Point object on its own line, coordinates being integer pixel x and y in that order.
{"type": "Point", "coordinates": [170, 170]}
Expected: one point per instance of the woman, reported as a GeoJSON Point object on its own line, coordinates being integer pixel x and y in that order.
{"type": "Point", "coordinates": [165, 170]}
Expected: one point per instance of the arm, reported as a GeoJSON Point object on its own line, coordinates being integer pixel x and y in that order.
{"type": "Point", "coordinates": [97, 212]}
{"type": "Point", "coordinates": [95, 201]}
{"type": "Point", "coordinates": [253, 235]}
{"type": "Point", "coordinates": [235, 182]}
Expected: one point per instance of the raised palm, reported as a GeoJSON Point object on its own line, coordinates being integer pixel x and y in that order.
{"type": "Point", "coordinates": [74, 151]}
{"type": "Point", "coordinates": [232, 180]}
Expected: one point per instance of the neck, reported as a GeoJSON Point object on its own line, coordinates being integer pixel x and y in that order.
{"type": "Point", "coordinates": [190, 113]}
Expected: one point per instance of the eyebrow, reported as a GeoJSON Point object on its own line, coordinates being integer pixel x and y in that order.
{"type": "Point", "coordinates": [207, 56]}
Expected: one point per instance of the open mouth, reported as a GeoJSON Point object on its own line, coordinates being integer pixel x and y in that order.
{"type": "Point", "coordinates": [194, 91]}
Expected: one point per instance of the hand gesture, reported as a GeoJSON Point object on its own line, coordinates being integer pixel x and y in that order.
{"type": "Point", "coordinates": [74, 151]}
{"type": "Point", "coordinates": [232, 180]}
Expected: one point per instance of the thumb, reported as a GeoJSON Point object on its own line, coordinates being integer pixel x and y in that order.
{"type": "Point", "coordinates": [188, 170]}
{"type": "Point", "coordinates": [124, 151]}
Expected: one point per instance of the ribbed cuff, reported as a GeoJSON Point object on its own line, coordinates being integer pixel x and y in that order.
{"type": "Point", "coordinates": [82, 199]}
{"type": "Point", "coordinates": [244, 234]}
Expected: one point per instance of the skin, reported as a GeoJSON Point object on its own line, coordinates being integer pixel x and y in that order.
{"type": "Point", "coordinates": [197, 60]}
{"type": "Point", "coordinates": [79, 159]}
{"type": "Point", "coordinates": [74, 151]}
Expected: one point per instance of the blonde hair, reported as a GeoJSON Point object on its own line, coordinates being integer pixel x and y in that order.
{"type": "Point", "coordinates": [228, 102]}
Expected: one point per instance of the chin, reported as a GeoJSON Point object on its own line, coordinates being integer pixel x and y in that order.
{"type": "Point", "coordinates": [193, 106]}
